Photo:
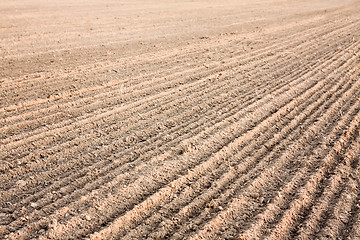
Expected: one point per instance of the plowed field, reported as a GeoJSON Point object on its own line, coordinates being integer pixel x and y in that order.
{"type": "Point", "coordinates": [180, 119]}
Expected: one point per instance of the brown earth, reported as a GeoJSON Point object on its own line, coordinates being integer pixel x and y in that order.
{"type": "Point", "coordinates": [180, 119]}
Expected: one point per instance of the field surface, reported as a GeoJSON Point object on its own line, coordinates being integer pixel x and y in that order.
{"type": "Point", "coordinates": [194, 119]}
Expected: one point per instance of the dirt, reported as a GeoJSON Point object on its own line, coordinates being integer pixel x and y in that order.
{"type": "Point", "coordinates": [180, 119]}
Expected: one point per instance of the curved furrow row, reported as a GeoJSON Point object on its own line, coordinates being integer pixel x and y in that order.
{"type": "Point", "coordinates": [127, 214]}
{"type": "Point", "coordinates": [167, 64]}
{"type": "Point", "coordinates": [260, 199]}
{"type": "Point", "coordinates": [224, 84]}
{"type": "Point", "coordinates": [112, 42]}
{"type": "Point", "coordinates": [308, 194]}
{"type": "Point", "coordinates": [339, 219]}
{"type": "Point", "coordinates": [264, 221]}
{"type": "Point", "coordinates": [117, 83]}
{"type": "Point", "coordinates": [347, 156]}
{"type": "Point", "coordinates": [268, 147]}
{"type": "Point", "coordinates": [317, 214]}
{"type": "Point", "coordinates": [188, 50]}
{"type": "Point", "coordinates": [40, 176]}
{"type": "Point", "coordinates": [104, 101]}
{"type": "Point", "coordinates": [249, 129]}
{"type": "Point", "coordinates": [352, 230]}
{"type": "Point", "coordinates": [165, 60]}
{"type": "Point", "coordinates": [39, 122]}
{"type": "Point", "coordinates": [204, 200]}
{"type": "Point", "coordinates": [240, 207]}
{"type": "Point", "coordinates": [162, 58]}
{"type": "Point", "coordinates": [247, 151]}
{"type": "Point", "coordinates": [252, 149]}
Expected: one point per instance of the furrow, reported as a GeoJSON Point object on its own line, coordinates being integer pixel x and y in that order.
{"type": "Point", "coordinates": [193, 49]}
{"type": "Point", "coordinates": [248, 128]}
{"type": "Point", "coordinates": [237, 188]}
{"type": "Point", "coordinates": [247, 150]}
{"type": "Point", "coordinates": [352, 230]}
{"type": "Point", "coordinates": [116, 224]}
{"type": "Point", "coordinates": [234, 54]}
{"type": "Point", "coordinates": [318, 212]}
{"type": "Point", "coordinates": [306, 21]}
{"type": "Point", "coordinates": [307, 193]}
{"type": "Point", "coordinates": [339, 219]}
{"type": "Point", "coordinates": [270, 176]}
{"type": "Point", "coordinates": [286, 195]}
{"type": "Point", "coordinates": [274, 150]}
{"type": "Point", "coordinates": [36, 122]}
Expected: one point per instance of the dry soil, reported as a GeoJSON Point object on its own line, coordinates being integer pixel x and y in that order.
{"type": "Point", "coordinates": [194, 119]}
